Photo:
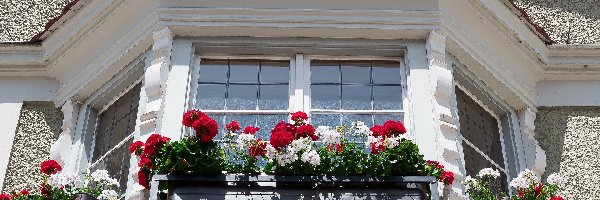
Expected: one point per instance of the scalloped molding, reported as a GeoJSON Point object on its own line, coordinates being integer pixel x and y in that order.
{"type": "Point", "coordinates": [445, 120]}
{"type": "Point", "coordinates": [536, 156]}
{"type": "Point", "coordinates": [61, 149]}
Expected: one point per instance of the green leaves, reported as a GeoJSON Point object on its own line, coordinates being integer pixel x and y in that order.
{"type": "Point", "coordinates": [190, 156]}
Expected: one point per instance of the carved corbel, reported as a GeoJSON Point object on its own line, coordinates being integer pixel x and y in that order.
{"type": "Point", "coordinates": [61, 149]}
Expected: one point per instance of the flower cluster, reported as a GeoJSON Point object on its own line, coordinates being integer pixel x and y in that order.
{"type": "Point", "coordinates": [485, 185]}
{"type": "Point", "coordinates": [243, 156]}
{"type": "Point", "coordinates": [206, 128]}
{"type": "Point", "coordinates": [388, 135]}
{"type": "Point", "coordinates": [146, 151]}
{"type": "Point", "coordinates": [60, 184]}
{"type": "Point", "coordinates": [436, 169]}
{"type": "Point", "coordinates": [529, 187]}
{"type": "Point", "coordinates": [290, 148]}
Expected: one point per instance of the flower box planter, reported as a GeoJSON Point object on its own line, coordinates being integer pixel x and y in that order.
{"type": "Point", "coordinates": [296, 187]}
{"type": "Point", "coordinates": [83, 196]}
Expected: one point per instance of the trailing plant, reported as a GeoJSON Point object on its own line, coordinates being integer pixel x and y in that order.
{"type": "Point", "coordinates": [342, 153]}
{"type": "Point", "coordinates": [244, 149]}
{"type": "Point", "coordinates": [530, 188]}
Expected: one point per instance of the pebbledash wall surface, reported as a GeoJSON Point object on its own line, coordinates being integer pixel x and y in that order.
{"type": "Point", "coordinates": [549, 93]}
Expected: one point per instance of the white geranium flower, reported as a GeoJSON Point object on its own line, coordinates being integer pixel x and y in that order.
{"type": "Point", "coordinates": [470, 182]}
{"type": "Point", "coordinates": [102, 176]}
{"type": "Point", "coordinates": [286, 158]}
{"type": "Point", "coordinates": [311, 157]}
{"type": "Point", "coordinates": [373, 140]}
{"type": "Point", "coordinates": [61, 179]}
{"type": "Point", "coordinates": [360, 128]}
{"type": "Point", "coordinates": [524, 180]}
{"type": "Point", "coordinates": [392, 142]}
{"type": "Point", "coordinates": [299, 145]}
{"type": "Point", "coordinates": [555, 179]}
{"type": "Point", "coordinates": [488, 172]}
{"type": "Point", "coordinates": [244, 140]}
{"type": "Point", "coordinates": [271, 151]}
{"type": "Point", "coordinates": [109, 195]}
{"type": "Point", "coordinates": [329, 136]}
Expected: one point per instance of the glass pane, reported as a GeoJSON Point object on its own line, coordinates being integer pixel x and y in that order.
{"type": "Point", "coordinates": [358, 73]}
{"type": "Point", "coordinates": [386, 73]}
{"type": "Point", "coordinates": [213, 71]}
{"type": "Point", "coordinates": [274, 97]}
{"type": "Point", "coordinates": [275, 72]}
{"type": "Point", "coordinates": [356, 97]}
{"type": "Point", "coordinates": [243, 72]}
{"type": "Point", "coordinates": [211, 97]}
{"type": "Point", "coordinates": [243, 120]}
{"type": "Point", "coordinates": [325, 96]}
{"type": "Point", "coordinates": [242, 97]}
{"type": "Point", "coordinates": [324, 72]}
{"type": "Point", "coordinates": [325, 120]}
{"type": "Point", "coordinates": [380, 119]}
{"type": "Point", "coordinates": [267, 122]}
{"type": "Point", "coordinates": [349, 118]}
{"type": "Point", "coordinates": [387, 97]}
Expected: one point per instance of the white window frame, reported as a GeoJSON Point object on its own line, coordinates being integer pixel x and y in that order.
{"type": "Point", "coordinates": [299, 85]}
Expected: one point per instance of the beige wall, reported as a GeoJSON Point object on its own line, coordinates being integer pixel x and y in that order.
{"type": "Point", "coordinates": [571, 138]}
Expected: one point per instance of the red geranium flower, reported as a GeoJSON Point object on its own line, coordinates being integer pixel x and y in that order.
{"type": "Point", "coordinates": [389, 129]}
{"type": "Point", "coordinates": [190, 116]}
{"type": "Point", "coordinates": [557, 198]}
{"type": "Point", "coordinates": [299, 116]}
{"type": "Point", "coordinates": [24, 192]}
{"type": "Point", "coordinates": [521, 193]}
{"type": "Point", "coordinates": [5, 196]}
{"type": "Point", "coordinates": [50, 167]}
{"type": "Point", "coordinates": [136, 148]}
{"type": "Point", "coordinates": [45, 189]}
{"type": "Point", "coordinates": [233, 126]}
{"type": "Point", "coordinates": [283, 126]}
{"type": "Point", "coordinates": [375, 149]}
{"type": "Point", "coordinates": [538, 189]}
{"type": "Point", "coordinates": [153, 143]}
{"type": "Point", "coordinates": [338, 147]}
{"type": "Point", "coordinates": [143, 179]}
{"type": "Point", "coordinates": [251, 130]}
{"type": "Point", "coordinates": [206, 128]}
{"type": "Point", "coordinates": [447, 177]}
{"type": "Point", "coordinates": [307, 130]}
{"type": "Point", "coordinates": [258, 149]}
{"type": "Point", "coordinates": [435, 164]}
{"type": "Point", "coordinates": [281, 139]}
{"type": "Point", "coordinates": [145, 162]}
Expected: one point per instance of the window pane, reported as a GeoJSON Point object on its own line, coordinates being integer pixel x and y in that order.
{"type": "Point", "coordinates": [386, 73]}
{"type": "Point", "coordinates": [387, 97]}
{"type": "Point", "coordinates": [356, 97]}
{"type": "Point", "coordinates": [267, 122]}
{"type": "Point", "coordinates": [325, 96]}
{"type": "Point", "coordinates": [324, 72]}
{"type": "Point", "coordinates": [349, 118]}
{"type": "Point", "coordinates": [274, 97]}
{"type": "Point", "coordinates": [325, 120]}
{"type": "Point", "coordinates": [213, 71]}
{"type": "Point", "coordinates": [380, 119]}
{"type": "Point", "coordinates": [211, 97]}
{"type": "Point", "coordinates": [275, 72]}
{"type": "Point", "coordinates": [358, 73]}
{"type": "Point", "coordinates": [242, 97]}
{"type": "Point", "coordinates": [243, 120]}
{"type": "Point", "coordinates": [243, 72]}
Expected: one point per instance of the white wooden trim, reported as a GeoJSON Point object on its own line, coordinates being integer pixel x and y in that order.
{"type": "Point", "coordinates": [242, 57]}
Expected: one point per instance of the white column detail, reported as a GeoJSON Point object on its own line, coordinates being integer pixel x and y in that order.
{"type": "Point", "coordinates": [445, 115]}
{"type": "Point", "coordinates": [61, 149]}
{"type": "Point", "coordinates": [176, 94]}
{"type": "Point", "coordinates": [535, 156]}
{"type": "Point", "coordinates": [155, 81]}
{"type": "Point", "coordinates": [152, 101]}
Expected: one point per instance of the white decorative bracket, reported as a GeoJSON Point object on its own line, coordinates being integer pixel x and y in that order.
{"type": "Point", "coordinates": [445, 112]}
{"type": "Point", "coordinates": [61, 149]}
{"type": "Point", "coordinates": [155, 80]}
{"type": "Point", "coordinates": [535, 156]}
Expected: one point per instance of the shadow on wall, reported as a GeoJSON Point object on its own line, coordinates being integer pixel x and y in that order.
{"type": "Point", "coordinates": [571, 138]}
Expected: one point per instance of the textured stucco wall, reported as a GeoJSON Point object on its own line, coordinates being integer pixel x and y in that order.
{"type": "Point", "coordinates": [38, 127]}
{"type": "Point", "coordinates": [20, 20]}
{"type": "Point", "coordinates": [567, 22]}
{"type": "Point", "coordinates": [571, 138]}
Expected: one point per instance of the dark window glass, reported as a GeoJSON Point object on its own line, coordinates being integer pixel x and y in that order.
{"type": "Point", "coordinates": [114, 125]}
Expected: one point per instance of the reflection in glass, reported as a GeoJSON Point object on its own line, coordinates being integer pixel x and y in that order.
{"type": "Point", "coordinates": [387, 97]}
{"type": "Point", "coordinates": [243, 72]}
{"type": "Point", "coordinates": [358, 73]}
{"type": "Point", "coordinates": [242, 97]}
{"type": "Point", "coordinates": [213, 71]}
{"type": "Point", "coordinates": [211, 97]}
{"type": "Point", "coordinates": [356, 97]}
{"type": "Point", "coordinates": [273, 97]}
{"type": "Point", "coordinates": [325, 120]}
{"type": "Point", "coordinates": [267, 122]}
{"type": "Point", "coordinates": [325, 96]}
{"type": "Point", "coordinates": [275, 72]}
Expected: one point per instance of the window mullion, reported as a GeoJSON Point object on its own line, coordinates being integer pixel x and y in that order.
{"type": "Point", "coordinates": [297, 84]}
